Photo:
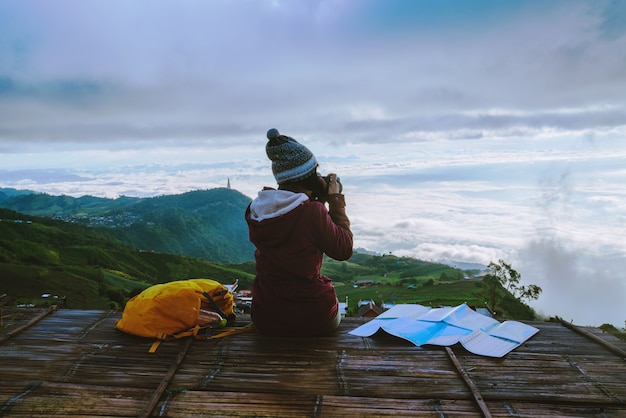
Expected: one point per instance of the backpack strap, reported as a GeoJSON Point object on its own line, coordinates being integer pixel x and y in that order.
{"type": "Point", "coordinates": [232, 331]}
{"type": "Point", "coordinates": [195, 333]}
{"type": "Point", "coordinates": [154, 346]}
{"type": "Point", "coordinates": [191, 332]}
{"type": "Point", "coordinates": [214, 304]}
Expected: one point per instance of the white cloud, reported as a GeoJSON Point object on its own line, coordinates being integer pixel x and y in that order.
{"type": "Point", "coordinates": [123, 73]}
{"type": "Point", "coordinates": [577, 285]}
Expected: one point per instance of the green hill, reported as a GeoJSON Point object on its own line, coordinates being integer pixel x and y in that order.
{"type": "Point", "coordinates": [89, 266]}
{"type": "Point", "coordinates": [43, 204]}
{"type": "Point", "coordinates": [391, 279]}
{"type": "Point", "coordinates": [206, 224]}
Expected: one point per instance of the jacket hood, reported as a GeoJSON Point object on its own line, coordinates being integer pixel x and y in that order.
{"type": "Point", "coordinates": [274, 203]}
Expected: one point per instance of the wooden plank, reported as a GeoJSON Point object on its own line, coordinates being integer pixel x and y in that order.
{"type": "Point", "coordinates": [246, 404]}
{"type": "Point", "coordinates": [29, 324]}
{"type": "Point", "coordinates": [611, 347]}
{"type": "Point", "coordinates": [326, 370]}
{"type": "Point", "coordinates": [73, 355]}
{"type": "Point", "coordinates": [57, 399]}
{"type": "Point", "coordinates": [470, 384]}
{"type": "Point", "coordinates": [508, 408]}
{"type": "Point", "coordinates": [546, 378]}
{"type": "Point", "coordinates": [147, 411]}
{"type": "Point", "coordinates": [237, 404]}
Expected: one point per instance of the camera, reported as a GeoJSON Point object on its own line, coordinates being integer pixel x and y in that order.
{"type": "Point", "coordinates": [326, 179]}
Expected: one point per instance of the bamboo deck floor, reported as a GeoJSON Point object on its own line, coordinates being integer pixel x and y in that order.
{"type": "Point", "coordinates": [74, 363]}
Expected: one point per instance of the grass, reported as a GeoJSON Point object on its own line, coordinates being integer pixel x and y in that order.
{"type": "Point", "coordinates": [621, 334]}
{"type": "Point", "coordinates": [448, 293]}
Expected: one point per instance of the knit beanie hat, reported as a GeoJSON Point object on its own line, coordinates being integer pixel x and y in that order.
{"type": "Point", "coordinates": [291, 161]}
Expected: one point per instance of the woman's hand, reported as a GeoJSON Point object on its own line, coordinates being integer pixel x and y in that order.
{"type": "Point", "coordinates": [333, 185]}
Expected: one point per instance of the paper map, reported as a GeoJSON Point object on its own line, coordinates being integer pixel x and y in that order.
{"type": "Point", "coordinates": [478, 333]}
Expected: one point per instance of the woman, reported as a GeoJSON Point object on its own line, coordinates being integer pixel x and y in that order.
{"type": "Point", "coordinates": [292, 230]}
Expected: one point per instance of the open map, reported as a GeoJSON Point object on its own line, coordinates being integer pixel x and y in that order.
{"type": "Point", "coordinates": [478, 333]}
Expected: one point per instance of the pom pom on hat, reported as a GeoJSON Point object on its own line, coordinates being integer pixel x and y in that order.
{"type": "Point", "coordinates": [273, 134]}
{"type": "Point", "coordinates": [291, 161]}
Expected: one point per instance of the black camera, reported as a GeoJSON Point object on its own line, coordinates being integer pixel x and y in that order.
{"type": "Point", "coordinates": [327, 179]}
{"type": "Point", "coordinates": [320, 185]}
{"type": "Point", "coordinates": [327, 183]}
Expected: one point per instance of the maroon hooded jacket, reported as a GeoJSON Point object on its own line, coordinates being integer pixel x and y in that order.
{"type": "Point", "coordinates": [291, 234]}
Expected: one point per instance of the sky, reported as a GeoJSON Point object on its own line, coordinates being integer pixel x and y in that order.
{"type": "Point", "coordinates": [462, 131]}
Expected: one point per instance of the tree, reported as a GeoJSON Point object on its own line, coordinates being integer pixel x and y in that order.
{"type": "Point", "coordinates": [501, 274]}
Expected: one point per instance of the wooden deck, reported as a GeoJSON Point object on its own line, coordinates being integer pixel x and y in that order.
{"type": "Point", "coordinates": [74, 363]}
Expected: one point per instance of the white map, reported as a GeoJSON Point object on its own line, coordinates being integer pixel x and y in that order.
{"type": "Point", "coordinates": [478, 333]}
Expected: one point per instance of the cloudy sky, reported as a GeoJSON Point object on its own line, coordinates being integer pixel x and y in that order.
{"type": "Point", "coordinates": [467, 131]}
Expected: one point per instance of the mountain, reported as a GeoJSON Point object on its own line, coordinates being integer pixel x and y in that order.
{"type": "Point", "coordinates": [90, 266]}
{"type": "Point", "coordinates": [207, 224]}
{"type": "Point", "coordinates": [7, 193]}
{"type": "Point", "coordinates": [42, 204]}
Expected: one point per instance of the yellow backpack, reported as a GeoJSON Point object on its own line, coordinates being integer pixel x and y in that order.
{"type": "Point", "coordinates": [176, 309]}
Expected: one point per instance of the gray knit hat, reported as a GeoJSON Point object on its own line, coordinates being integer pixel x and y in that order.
{"type": "Point", "coordinates": [291, 161]}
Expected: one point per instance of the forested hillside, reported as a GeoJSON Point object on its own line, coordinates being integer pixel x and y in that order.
{"type": "Point", "coordinates": [207, 224]}
{"type": "Point", "coordinates": [90, 266]}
